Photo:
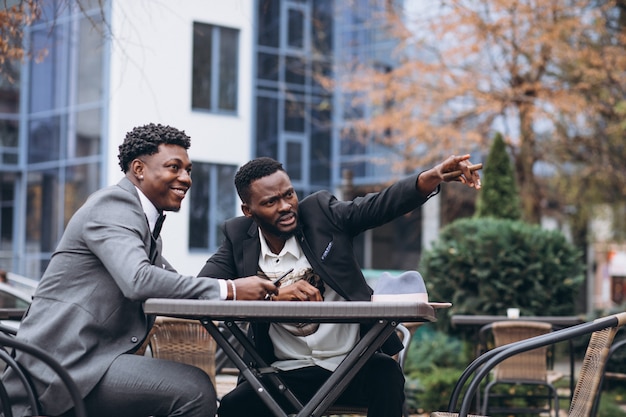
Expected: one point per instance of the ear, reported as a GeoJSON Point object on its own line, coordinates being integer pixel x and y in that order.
{"type": "Point", "coordinates": [137, 169]}
{"type": "Point", "coordinates": [246, 210]}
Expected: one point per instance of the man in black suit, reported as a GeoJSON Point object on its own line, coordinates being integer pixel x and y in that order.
{"type": "Point", "coordinates": [314, 238]}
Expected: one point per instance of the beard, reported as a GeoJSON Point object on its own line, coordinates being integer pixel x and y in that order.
{"type": "Point", "coordinates": [273, 230]}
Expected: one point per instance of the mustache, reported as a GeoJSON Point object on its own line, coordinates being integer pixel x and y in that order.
{"type": "Point", "coordinates": [288, 214]}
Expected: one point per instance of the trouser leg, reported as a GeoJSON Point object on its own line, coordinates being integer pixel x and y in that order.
{"type": "Point", "coordinates": [138, 386]}
{"type": "Point", "coordinates": [379, 385]}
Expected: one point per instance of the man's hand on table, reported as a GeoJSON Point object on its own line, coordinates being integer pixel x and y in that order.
{"type": "Point", "coordinates": [252, 288]}
{"type": "Point", "coordinates": [298, 291]}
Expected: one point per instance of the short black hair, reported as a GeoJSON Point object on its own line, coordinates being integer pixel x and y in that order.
{"type": "Point", "coordinates": [145, 140]}
{"type": "Point", "coordinates": [252, 171]}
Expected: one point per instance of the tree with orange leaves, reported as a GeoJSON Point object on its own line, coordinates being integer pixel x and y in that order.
{"type": "Point", "coordinates": [549, 74]}
{"type": "Point", "coordinates": [14, 16]}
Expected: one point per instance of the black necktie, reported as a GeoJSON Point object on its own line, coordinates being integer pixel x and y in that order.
{"type": "Point", "coordinates": [158, 225]}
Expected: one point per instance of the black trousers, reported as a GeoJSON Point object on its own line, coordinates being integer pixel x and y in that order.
{"type": "Point", "coordinates": [379, 386]}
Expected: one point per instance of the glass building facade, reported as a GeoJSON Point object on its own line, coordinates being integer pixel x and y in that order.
{"type": "Point", "coordinates": [51, 132]}
{"type": "Point", "coordinates": [293, 112]}
{"type": "Point", "coordinates": [54, 120]}
{"type": "Point", "coordinates": [300, 123]}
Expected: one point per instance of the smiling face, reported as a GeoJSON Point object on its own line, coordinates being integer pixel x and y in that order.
{"type": "Point", "coordinates": [164, 177]}
{"type": "Point", "coordinates": [273, 204]}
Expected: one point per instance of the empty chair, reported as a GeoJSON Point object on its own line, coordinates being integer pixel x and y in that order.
{"type": "Point", "coordinates": [602, 332]}
{"type": "Point", "coordinates": [528, 368]}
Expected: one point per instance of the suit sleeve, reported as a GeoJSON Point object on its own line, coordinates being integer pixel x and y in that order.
{"type": "Point", "coordinates": [373, 209]}
{"type": "Point", "coordinates": [222, 263]}
{"type": "Point", "coordinates": [116, 232]}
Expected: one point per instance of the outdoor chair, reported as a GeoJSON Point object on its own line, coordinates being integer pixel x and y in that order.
{"type": "Point", "coordinates": [602, 332]}
{"type": "Point", "coordinates": [8, 348]}
{"type": "Point", "coordinates": [185, 341]}
{"type": "Point", "coordinates": [613, 375]}
{"type": "Point", "coordinates": [405, 335]}
{"type": "Point", "coordinates": [528, 368]}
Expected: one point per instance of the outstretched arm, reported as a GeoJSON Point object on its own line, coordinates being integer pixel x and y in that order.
{"type": "Point", "coordinates": [428, 180]}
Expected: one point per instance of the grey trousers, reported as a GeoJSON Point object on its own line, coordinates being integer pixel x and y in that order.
{"type": "Point", "coordinates": [139, 386]}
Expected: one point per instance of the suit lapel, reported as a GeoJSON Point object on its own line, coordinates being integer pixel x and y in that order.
{"type": "Point", "coordinates": [251, 250]}
{"type": "Point", "coordinates": [320, 268]}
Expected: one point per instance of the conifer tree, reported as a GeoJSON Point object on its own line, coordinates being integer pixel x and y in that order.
{"type": "Point", "coordinates": [499, 196]}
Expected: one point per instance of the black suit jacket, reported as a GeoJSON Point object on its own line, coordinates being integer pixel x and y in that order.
{"type": "Point", "coordinates": [327, 228]}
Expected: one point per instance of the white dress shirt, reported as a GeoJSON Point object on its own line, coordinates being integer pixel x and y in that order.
{"type": "Point", "coordinates": [331, 342]}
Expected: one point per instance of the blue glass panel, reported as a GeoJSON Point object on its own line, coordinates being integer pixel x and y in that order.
{"type": "Point", "coordinates": [44, 140]}
{"type": "Point", "coordinates": [90, 53]}
{"type": "Point", "coordinates": [87, 139]}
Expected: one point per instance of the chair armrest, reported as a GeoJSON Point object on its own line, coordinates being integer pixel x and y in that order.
{"type": "Point", "coordinates": [40, 354]}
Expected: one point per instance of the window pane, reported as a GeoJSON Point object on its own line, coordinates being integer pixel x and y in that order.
{"type": "Point", "coordinates": [322, 26]}
{"type": "Point", "coordinates": [295, 30]}
{"type": "Point", "coordinates": [42, 211]}
{"type": "Point", "coordinates": [320, 147]}
{"type": "Point", "coordinates": [87, 141]}
{"type": "Point", "coordinates": [267, 127]}
{"type": "Point", "coordinates": [267, 66]}
{"type": "Point", "coordinates": [269, 22]}
{"type": "Point", "coordinates": [7, 204]}
{"type": "Point", "coordinates": [80, 182]}
{"type": "Point", "coordinates": [213, 201]}
{"type": "Point", "coordinates": [199, 206]}
{"type": "Point", "coordinates": [49, 72]}
{"type": "Point", "coordinates": [229, 53]}
{"type": "Point", "coordinates": [294, 116]}
{"type": "Point", "coordinates": [9, 135]}
{"type": "Point", "coordinates": [202, 62]}
{"type": "Point", "coordinates": [295, 70]}
{"type": "Point", "coordinates": [226, 203]}
{"type": "Point", "coordinates": [90, 61]}
{"type": "Point", "coordinates": [44, 140]}
{"type": "Point", "coordinates": [294, 160]}
{"type": "Point", "coordinates": [10, 87]}
{"type": "Point", "coordinates": [51, 10]}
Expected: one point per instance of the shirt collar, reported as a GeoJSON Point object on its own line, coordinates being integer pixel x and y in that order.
{"type": "Point", "coordinates": [152, 214]}
{"type": "Point", "coordinates": [291, 247]}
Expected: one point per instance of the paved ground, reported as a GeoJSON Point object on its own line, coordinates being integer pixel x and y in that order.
{"type": "Point", "coordinates": [224, 383]}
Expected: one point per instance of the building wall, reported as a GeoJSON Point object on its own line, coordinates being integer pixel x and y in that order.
{"type": "Point", "coordinates": [150, 81]}
{"type": "Point", "coordinates": [146, 65]}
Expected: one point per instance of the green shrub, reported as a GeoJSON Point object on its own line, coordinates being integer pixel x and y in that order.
{"type": "Point", "coordinates": [485, 265]}
{"type": "Point", "coordinates": [433, 364]}
{"type": "Point", "coordinates": [432, 391]}
{"type": "Point", "coordinates": [431, 350]}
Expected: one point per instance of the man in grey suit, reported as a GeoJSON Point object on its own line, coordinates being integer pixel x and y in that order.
{"type": "Point", "coordinates": [314, 237]}
{"type": "Point", "coordinates": [87, 311]}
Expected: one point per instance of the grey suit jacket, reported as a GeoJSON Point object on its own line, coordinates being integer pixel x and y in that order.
{"type": "Point", "coordinates": [87, 309]}
{"type": "Point", "coordinates": [327, 229]}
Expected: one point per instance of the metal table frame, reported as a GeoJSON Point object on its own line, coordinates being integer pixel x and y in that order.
{"type": "Point", "coordinates": [383, 318]}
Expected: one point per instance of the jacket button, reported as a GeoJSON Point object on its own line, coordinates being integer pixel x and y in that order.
{"type": "Point", "coordinates": [134, 339]}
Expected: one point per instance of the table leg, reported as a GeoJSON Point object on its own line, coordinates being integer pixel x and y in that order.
{"type": "Point", "coordinates": [246, 371]}
{"type": "Point", "coordinates": [261, 367]}
{"type": "Point", "coordinates": [347, 369]}
{"type": "Point", "coordinates": [327, 394]}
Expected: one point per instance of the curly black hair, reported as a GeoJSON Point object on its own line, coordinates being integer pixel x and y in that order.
{"type": "Point", "coordinates": [145, 140]}
{"type": "Point", "coordinates": [253, 170]}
